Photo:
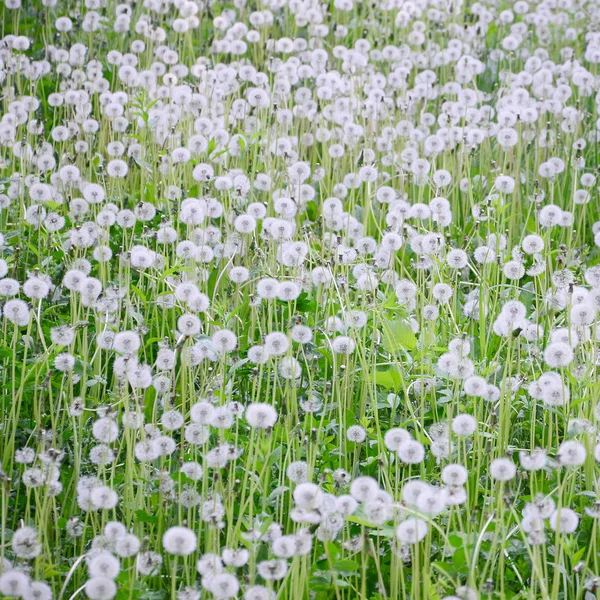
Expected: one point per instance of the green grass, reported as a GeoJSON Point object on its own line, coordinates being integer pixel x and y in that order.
{"type": "Point", "coordinates": [490, 538]}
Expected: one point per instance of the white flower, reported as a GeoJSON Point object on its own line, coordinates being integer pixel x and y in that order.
{"type": "Point", "coordinates": [179, 541]}
{"type": "Point", "coordinates": [564, 520]}
{"type": "Point", "coordinates": [25, 543]}
{"type": "Point", "coordinates": [100, 588]}
{"type": "Point", "coordinates": [412, 531]}
{"type": "Point", "coordinates": [502, 469]}
{"type": "Point", "coordinates": [260, 415]}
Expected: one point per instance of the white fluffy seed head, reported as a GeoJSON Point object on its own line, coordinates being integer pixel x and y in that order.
{"type": "Point", "coordinates": [180, 541]}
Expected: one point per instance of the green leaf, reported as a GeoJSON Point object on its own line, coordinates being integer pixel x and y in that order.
{"type": "Point", "coordinates": [144, 165]}
{"type": "Point", "coordinates": [144, 517]}
{"type": "Point", "coordinates": [312, 211]}
{"type": "Point", "coordinates": [212, 282]}
{"type": "Point", "coordinates": [332, 550]}
{"type": "Point", "coordinates": [389, 379]}
{"type": "Point", "coordinates": [304, 304]}
{"type": "Point", "coordinates": [398, 335]}
{"type": "Point", "coordinates": [139, 293]}
{"type": "Point", "coordinates": [346, 565]}
{"type": "Point", "coordinates": [212, 144]}
{"type": "Point", "coordinates": [122, 577]}
{"type": "Point", "coordinates": [320, 583]}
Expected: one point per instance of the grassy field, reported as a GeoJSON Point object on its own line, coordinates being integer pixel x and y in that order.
{"type": "Point", "coordinates": [299, 300]}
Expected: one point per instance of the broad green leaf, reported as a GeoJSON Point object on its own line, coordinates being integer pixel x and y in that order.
{"type": "Point", "coordinates": [398, 335]}
{"type": "Point", "coordinates": [389, 379]}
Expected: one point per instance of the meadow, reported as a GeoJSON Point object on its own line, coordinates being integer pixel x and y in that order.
{"type": "Point", "coordinates": [299, 299]}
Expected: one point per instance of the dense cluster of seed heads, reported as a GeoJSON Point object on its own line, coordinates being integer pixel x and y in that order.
{"type": "Point", "coordinates": [299, 299]}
